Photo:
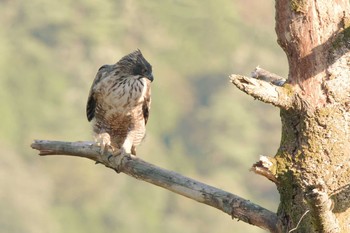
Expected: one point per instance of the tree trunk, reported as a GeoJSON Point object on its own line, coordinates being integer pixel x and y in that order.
{"type": "Point", "coordinates": [313, 161]}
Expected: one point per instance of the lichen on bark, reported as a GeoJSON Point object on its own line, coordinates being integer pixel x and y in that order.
{"type": "Point", "coordinates": [313, 162]}
{"type": "Point", "coordinates": [299, 5]}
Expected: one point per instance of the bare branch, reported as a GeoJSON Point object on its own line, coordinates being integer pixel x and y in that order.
{"type": "Point", "coordinates": [264, 91]}
{"type": "Point", "coordinates": [322, 205]}
{"type": "Point", "coordinates": [265, 86]}
{"type": "Point", "coordinates": [266, 167]}
{"type": "Point", "coordinates": [301, 218]}
{"type": "Point", "coordinates": [229, 203]}
{"type": "Point", "coordinates": [260, 73]}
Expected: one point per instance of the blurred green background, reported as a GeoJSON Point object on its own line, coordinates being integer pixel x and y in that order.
{"type": "Point", "coordinates": [200, 124]}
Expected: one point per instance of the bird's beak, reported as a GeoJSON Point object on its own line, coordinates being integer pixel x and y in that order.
{"type": "Point", "coordinates": [150, 77]}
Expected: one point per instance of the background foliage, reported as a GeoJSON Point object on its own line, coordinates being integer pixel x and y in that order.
{"type": "Point", "coordinates": [200, 125]}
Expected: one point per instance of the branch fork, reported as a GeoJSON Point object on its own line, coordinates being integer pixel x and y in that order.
{"type": "Point", "coordinates": [266, 87]}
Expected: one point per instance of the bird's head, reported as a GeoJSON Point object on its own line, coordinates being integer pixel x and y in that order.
{"type": "Point", "coordinates": [136, 65]}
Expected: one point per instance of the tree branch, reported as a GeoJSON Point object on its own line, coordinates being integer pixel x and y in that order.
{"type": "Point", "coordinates": [266, 167]}
{"type": "Point", "coordinates": [260, 73]}
{"type": "Point", "coordinates": [265, 86]}
{"type": "Point", "coordinates": [322, 205]}
{"type": "Point", "coordinates": [229, 203]}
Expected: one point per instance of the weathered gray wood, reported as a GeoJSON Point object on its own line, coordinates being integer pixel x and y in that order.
{"type": "Point", "coordinates": [229, 203]}
{"type": "Point", "coordinates": [264, 91]}
{"type": "Point", "coordinates": [260, 73]}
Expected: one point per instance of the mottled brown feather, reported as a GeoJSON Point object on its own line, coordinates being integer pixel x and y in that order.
{"type": "Point", "coordinates": [119, 101]}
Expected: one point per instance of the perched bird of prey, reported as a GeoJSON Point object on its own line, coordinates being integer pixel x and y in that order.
{"type": "Point", "coordinates": [119, 102]}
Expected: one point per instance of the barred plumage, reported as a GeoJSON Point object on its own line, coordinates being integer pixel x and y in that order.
{"type": "Point", "coordinates": [119, 101]}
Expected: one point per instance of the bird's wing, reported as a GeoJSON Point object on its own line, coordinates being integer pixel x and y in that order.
{"type": "Point", "coordinates": [91, 103]}
{"type": "Point", "coordinates": [146, 106]}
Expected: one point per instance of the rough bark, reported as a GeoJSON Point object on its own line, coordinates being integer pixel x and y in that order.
{"type": "Point", "coordinates": [263, 91]}
{"type": "Point", "coordinates": [239, 208]}
{"type": "Point", "coordinates": [314, 155]}
{"type": "Point", "coordinates": [312, 165]}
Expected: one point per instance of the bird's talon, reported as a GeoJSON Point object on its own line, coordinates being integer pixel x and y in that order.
{"type": "Point", "coordinates": [103, 140]}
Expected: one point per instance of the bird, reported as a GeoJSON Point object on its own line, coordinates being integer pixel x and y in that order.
{"type": "Point", "coordinates": [119, 102]}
